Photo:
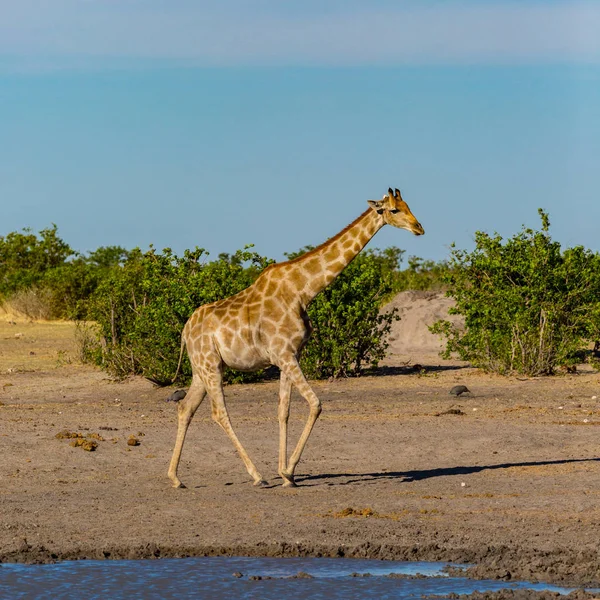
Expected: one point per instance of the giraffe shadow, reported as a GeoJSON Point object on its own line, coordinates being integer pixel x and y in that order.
{"type": "Point", "coordinates": [418, 475]}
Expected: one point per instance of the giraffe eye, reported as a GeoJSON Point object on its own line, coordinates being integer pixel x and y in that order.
{"type": "Point", "coordinates": [394, 211]}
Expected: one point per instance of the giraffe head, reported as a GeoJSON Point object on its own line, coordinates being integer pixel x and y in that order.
{"type": "Point", "coordinates": [396, 212]}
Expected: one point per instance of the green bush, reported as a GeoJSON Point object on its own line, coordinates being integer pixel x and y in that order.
{"type": "Point", "coordinates": [25, 258]}
{"type": "Point", "coordinates": [141, 308]}
{"type": "Point", "coordinates": [529, 306]}
{"type": "Point", "coordinates": [42, 277]}
{"type": "Point", "coordinates": [349, 331]}
{"type": "Point", "coordinates": [420, 275]}
{"type": "Point", "coordinates": [140, 301]}
{"type": "Point", "coordinates": [71, 284]}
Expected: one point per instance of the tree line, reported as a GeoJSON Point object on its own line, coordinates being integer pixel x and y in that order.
{"type": "Point", "coordinates": [529, 306]}
{"type": "Point", "coordinates": [131, 305]}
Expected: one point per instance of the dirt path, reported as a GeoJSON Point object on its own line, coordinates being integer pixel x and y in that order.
{"type": "Point", "coordinates": [511, 483]}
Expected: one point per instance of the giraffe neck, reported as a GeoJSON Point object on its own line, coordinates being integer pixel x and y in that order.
{"type": "Point", "coordinates": [316, 269]}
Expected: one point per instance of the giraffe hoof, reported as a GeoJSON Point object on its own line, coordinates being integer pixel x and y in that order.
{"type": "Point", "coordinates": [288, 482]}
{"type": "Point", "coordinates": [179, 486]}
{"type": "Point", "coordinates": [261, 483]}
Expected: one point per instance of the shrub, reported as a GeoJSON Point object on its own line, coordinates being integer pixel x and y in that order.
{"type": "Point", "coordinates": [142, 307]}
{"type": "Point", "coordinates": [349, 331]}
{"type": "Point", "coordinates": [140, 310]}
{"type": "Point", "coordinates": [71, 284]}
{"type": "Point", "coordinates": [26, 257]}
{"type": "Point", "coordinates": [420, 275]}
{"type": "Point", "coordinates": [528, 306]}
{"type": "Point", "coordinates": [42, 277]}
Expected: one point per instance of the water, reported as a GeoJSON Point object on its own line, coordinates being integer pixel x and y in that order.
{"type": "Point", "coordinates": [212, 577]}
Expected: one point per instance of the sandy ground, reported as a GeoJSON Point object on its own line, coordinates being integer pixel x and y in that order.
{"type": "Point", "coordinates": [506, 478]}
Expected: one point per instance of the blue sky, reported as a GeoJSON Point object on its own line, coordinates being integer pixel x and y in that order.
{"type": "Point", "coordinates": [220, 124]}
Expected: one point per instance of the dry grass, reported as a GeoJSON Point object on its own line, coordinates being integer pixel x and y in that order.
{"type": "Point", "coordinates": [35, 345]}
{"type": "Point", "coordinates": [32, 303]}
{"type": "Point", "coordinates": [366, 513]}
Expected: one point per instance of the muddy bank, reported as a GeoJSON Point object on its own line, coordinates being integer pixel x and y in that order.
{"type": "Point", "coordinates": [505, 564]}
{"type": "Point", "coordinates": [518, 595]}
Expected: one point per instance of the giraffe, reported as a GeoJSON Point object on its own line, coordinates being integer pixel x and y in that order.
{"type": "Point", "coordinates": [267, 324]}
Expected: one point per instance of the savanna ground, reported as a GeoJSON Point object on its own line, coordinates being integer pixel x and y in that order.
{"type": "Point", "coordinates": [506, 478]}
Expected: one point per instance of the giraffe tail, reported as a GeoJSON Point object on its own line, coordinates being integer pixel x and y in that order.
{"type": "Point", "coordinates": [180, 358]}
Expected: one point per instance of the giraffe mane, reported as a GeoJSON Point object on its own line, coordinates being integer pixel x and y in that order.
{"type": "Point", "coordinates": [328, 241]}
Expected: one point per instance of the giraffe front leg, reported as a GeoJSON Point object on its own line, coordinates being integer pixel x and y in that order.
{"type": "Point", "coordinates": [185, 412]}
{"type": "Point", "coordinates": [293, 371]}
{"type": "Point", "coordinates": [285, 390]}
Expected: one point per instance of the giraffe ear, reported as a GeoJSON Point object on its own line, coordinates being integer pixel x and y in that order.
{"type": "Point", "coordinates": [391, 192]}
{"type": "Point", "coordinates": [377, 205]}
{"type": "Point", "coordinates": [398, 195]}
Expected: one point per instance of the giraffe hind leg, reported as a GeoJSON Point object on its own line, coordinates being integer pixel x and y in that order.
{"type": "Point", "coordinates": [185, 412]}
{"type": "Point", "coordinates": [221, 416]}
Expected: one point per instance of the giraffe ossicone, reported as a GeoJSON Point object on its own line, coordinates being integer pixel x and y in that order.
{"type": "Point", "coordinates": [267, 324]}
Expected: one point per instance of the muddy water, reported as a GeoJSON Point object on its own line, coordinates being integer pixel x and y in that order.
{"type": "Point", "coordinates": [239, 577]}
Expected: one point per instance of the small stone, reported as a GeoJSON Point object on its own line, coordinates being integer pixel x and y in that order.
{"type": "Point", "coordinates": [133, 441]}
{"type": "Point", "coordinates": [237, 575]}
